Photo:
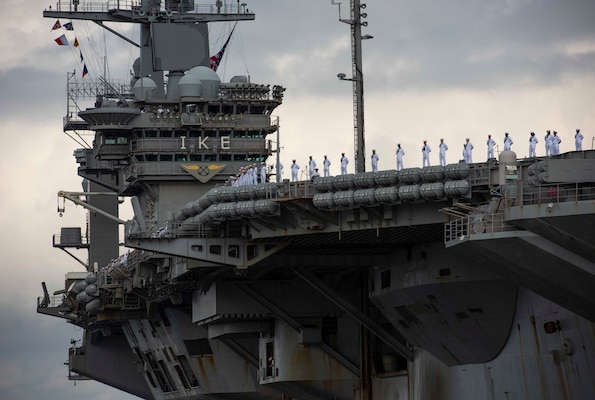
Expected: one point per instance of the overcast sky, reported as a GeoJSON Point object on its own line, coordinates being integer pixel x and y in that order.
{"type": "Point", "coordinates": [435, 69]}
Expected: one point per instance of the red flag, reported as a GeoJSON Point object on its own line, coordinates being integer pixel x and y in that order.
{"type": "Point", "coordinates": [76, 42]}
{"type": "Point", "coordinates": [62, 41]}
{"type": "Point", "coordinates": [56, 25]}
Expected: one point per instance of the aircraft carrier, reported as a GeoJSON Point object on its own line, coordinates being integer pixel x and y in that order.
{"type": "Point", "coordinates": [465, 281]}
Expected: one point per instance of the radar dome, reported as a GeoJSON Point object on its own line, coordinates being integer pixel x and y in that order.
{"type": "Point", "coordinates": [144, 88]}
{"type": "Point", "coordinates": [189, 86]}
{"type": "Point", "coordinates": [209, 80]}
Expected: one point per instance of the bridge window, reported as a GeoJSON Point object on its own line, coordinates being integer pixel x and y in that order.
{"type": "Point", "coordinates": [195, 157]}
{"type": "Point", "coordinates": [257, 109]}
{"type": "Point", "coordinates": [254, 134]}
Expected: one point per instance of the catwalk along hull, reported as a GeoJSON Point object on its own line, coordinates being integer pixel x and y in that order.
{"type": "Point", "coordinates": [468, 281]}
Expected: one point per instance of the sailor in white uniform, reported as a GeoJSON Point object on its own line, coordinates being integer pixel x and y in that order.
{"type": "Point", "coordinates": [425, 151]}
{"type": "Point", "coordinates": [280, 170]}
{"type": "Point", "coordinates": [491, 143]}
{"type": "Point", "coordinates": [241, 176]}
{"type": "Point", "coordinates": [443, 147]}
{"type": "Point", "coordinates": [344, 162]}
{"type": "Point", "coordinates": [254, 171]}
{"type": "Point", "coordinates": [374, 161]}
{"type": "Point", "coordinates": [326, 164]}
{"type": "Point", "coordinates": [507, 142]}
{"type": "Point", "coordinates": [247, 175]}
{"type": "Point", "coordinates": [263, 172]}
{"type": "Point", "coordinates": [556, 144]}
{"type": "Point", "coordinates": [468, 151]}
{"type": "Point", "coordinates": [311, 167]}
{"type": "Point", "coordinates": [294, 171]}
{"type": "Point", "coordinates": [400, 153]}
{"type": "Point", "coordinates": [548, 144]}
{"type": "Point", "coordinates": [578, 140]}
{"type": "Point", "coordinates": [315, 175]}
{"type": "Point", "coordinates": [532, 143]}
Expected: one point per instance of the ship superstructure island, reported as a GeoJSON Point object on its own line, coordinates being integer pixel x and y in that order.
{"type": "Point", "coordinates": [464, 281]}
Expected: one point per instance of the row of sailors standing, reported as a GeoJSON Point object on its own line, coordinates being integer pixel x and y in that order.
{"type": "Point", "coordinates": [326, 163]}
{"type": "Point", "coordinates": [249, 175]}
{"type": "Point", "coordinates": [552, 148]}
{"type": "Point", "coordinates": [253, 175]}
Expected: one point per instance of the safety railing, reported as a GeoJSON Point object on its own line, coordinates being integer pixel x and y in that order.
{"type": "Point", "coordinates": [464, 228]}
{"type": "Point", "coordinates": [185, 6]}
{"type": "Point", "coordinates": [557, 193]}
{"type": "Point", "coordinates": [59, 241]}
{"type": "Point", "coordinates": [298, 189]}
{"type": "Point", "coordinates": [55, 301]}
{"type": "Point", "coordinates": [171, 230]}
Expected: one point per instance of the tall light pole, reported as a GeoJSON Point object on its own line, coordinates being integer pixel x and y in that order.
{"type": "Point", "coordinates": [360, 164]}
{"type": "Point", "coordinates": [355, 21]}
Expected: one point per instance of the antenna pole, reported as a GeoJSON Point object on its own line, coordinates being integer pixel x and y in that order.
{"type": "Point", "coordinates": [357, 79]}
{"type": "Point", "coordinates": [278, 174]}
{"type": "Point", "coordinates": [358, 87]}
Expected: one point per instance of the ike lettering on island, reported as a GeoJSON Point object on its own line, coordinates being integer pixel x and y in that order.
{"type": "Point", "coordinates": [225, 142]}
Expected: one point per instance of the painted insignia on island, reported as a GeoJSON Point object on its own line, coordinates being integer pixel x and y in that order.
{"type": "Point", "coordinates": [203, 173]}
